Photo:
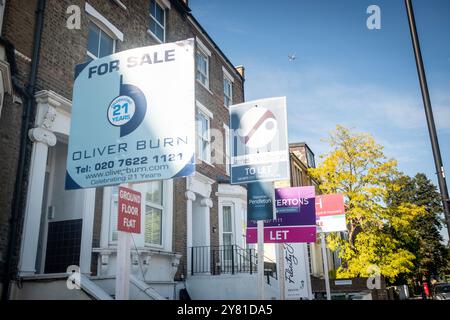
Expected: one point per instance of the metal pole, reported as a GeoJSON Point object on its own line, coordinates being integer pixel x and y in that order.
{"type": "Point", "coordinates": [260, 281]}
{"type": "Point", "coordinates": [429, 114]}
{"type": "Point", "coordinates": [325, 265]}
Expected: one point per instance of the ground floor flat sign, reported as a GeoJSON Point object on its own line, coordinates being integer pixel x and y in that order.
{"type": "Point", "coordinates": [129, 206]}
{"type": "Point", "coordinates": [295, 218]}
{"type": "Point", "coordinates": [259, 144]}
{"type": "Point", "coordinates": [133, 117]}
{"type": "Point", "coordinates": [330, 213]}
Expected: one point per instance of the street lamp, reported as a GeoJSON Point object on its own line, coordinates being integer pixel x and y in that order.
{"type": "Point", "coordinates": [429, 114]}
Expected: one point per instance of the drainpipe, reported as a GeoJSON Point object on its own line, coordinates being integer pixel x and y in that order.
{"type": "Point", "coordinates": [18, 198]}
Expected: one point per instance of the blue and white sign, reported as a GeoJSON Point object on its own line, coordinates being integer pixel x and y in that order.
{"type": "Point", "coordinates": [259, 144]}
{"type": "Point", "coordinates": [133, 117]}
{"type": "Point", "coordinates": [260, 201]}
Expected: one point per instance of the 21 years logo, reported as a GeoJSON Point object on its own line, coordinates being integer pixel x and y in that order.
{"type": "Point", "coordinates": [128, 109]}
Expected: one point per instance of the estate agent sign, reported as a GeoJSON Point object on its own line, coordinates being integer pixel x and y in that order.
{"type": "Point", "coordinates": [129, 205]}
{"type": "Point", "coordinates": [330, 213]}
{"type": "Point", "coordinates": [259, 144]}
{"type": "Point", "coordinates": [295, 218]}
{"type": "Point", "coordinates": [133, 117]}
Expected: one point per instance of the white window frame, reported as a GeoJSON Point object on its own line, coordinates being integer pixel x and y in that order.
{"type": "Point", "coordinates": [206, 53]}
{"type": "Point", "coordinates": [165, 5]}
{"type": "Point", "coordinates": [93, 56]}
{"type": "Point", "coordinates": [208, 115]}
{"type": "Point", "coordinates": [106, 238]}
{"type": "Point", "coordinates": [227, 77]}
{"type": "Point", "coordinates": [227, 149]}
{"type": "Point", "coordinates": [2, 11]}
{"type": "Point", "coordinates": [159, 207]}
{"type": "Point", "coordinates": [104, 25]}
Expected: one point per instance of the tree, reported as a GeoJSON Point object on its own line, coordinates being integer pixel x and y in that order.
{"type": "Point", "coordinates": [357, 167]}
{"type": "Point", "coordinates": [424, 239]}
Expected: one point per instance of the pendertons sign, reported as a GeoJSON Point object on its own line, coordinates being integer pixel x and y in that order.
{"type": "Point", "coordinates": [133, 117]}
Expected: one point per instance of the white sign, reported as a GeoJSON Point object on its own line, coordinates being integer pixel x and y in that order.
{"type": "Point", "coordinates": [133, 117]}
{"type": "Point", "coordinates": [296, 265]}
{"type": "Point", "coordinates": [259, 144]}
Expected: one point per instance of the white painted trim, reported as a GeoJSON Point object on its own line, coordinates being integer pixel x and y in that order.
{"type": "Point", "coordinates": [101, 19]}
{"type": "Point", "coordinates": [154, 36]}
{"type": "Point", "coordinates": [204, 110]}
{"type": "Point", "coordinates": [227, 74]}
{"type": "Point", "coordinates": [201, 46]}
{"type": "Point", "coordinates": [164, 3]}
{"type": "Point", "coordinates": [21, 55]}
{"type": "Point", "coordinates": [120, 4]}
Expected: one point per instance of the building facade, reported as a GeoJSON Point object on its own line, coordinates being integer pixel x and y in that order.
{"type": "Point", "coordinates": [46, 231]}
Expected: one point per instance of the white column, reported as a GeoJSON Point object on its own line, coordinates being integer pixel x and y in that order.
{"type": "Point", "coordinates": [42, 139]}
{"type": "Point", "coordinates": [207, 204]}
{"type": "Point", "coordinates": [190, 198]}
{"type": "Point", "coordinates": [87, 231]}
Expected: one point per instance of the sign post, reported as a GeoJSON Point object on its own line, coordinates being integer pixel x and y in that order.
{"type": "Point", "coordinates": [330, 213]}
{"type": "Point", "coordinates": [129, 221]}
{"type": "Point", "coordinates": [325, 265]}
{"type": "Point", "coordinates": [260, 152]}
{"type": "Point", "coordinates": [260, 260]}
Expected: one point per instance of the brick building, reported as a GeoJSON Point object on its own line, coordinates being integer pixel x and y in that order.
{"type": "Point", "coordinates": [45, 229]}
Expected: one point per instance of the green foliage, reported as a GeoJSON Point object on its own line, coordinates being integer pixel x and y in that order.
{"type": "Point", "coordinates": [423, 238]}
{"type": "Point", "coordinates": [357, 167]}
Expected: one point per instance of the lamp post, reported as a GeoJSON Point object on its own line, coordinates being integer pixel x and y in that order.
{"type": "Point", "coordinates": [429, 114]}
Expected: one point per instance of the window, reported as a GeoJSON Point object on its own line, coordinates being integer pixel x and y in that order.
{"type": "Point", "coordinates": [310, 159]}
{"type": "Point", "coordinates": [227, 148]}
{"type": "Point", "coordinates": [157, 21]}
{"type": "Point", "coordinates": [203, 137]}
{"type": "Point", "coordinates": [227, 232]}
{"type": "Point", "coordinates": [100, 44]}
{"type": "Point", "coordinates": [113, 235]}
{"type": "Point", "coordinates": [202, 69]}
{"type": "Point", "coordinates": [153, 213]}
{"type": "Point", "coordinates": [227, 92]}
{"type": "Point", "coordinates": [227, 87]}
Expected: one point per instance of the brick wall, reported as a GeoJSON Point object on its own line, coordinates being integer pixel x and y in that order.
{"type": "Point", "coordinates": [61, 50]}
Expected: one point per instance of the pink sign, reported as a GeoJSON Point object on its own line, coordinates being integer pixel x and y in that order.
{"type": "Point", "coordinates": [329, 204]}
{"type": "Point", "coordinates": [290, 234]}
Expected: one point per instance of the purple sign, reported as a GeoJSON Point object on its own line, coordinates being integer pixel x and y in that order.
{"type": "Point", "coordinates": [295, 220]}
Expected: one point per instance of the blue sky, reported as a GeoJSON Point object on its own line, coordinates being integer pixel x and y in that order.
{"type": "Point", "coordinates": [344, 73]}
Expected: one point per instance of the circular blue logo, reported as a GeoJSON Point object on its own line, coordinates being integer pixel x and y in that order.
{"type": "Point", "coordinates": [121, 110]}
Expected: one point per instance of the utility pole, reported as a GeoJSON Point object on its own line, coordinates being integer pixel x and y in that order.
{"type": "Point", "coordinates": [429, 114]}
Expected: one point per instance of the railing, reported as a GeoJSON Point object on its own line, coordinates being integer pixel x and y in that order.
{"type": "Point", "coordinates": [229, 259]}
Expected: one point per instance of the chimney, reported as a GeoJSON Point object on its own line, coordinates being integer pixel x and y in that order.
{"type": "Point", "coordinates": [241, 71]}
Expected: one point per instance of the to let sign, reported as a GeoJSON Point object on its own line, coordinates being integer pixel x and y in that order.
{"type": "Point", "coordinates": [295, 220]}
{"type": "Point", "coordinates": [129, 210]}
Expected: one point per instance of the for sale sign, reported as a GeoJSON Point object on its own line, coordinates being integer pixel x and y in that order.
{"type": "Point", "coordinates": [133, 117]}
{"type": "Point", "coordinates": [129, 206]}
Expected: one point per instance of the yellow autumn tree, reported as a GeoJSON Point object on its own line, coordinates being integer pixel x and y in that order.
{"type": "Point", "coordinates": [357, 167]}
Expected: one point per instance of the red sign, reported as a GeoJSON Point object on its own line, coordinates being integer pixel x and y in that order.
{"type": "Point", "coordinates": [330, 204]}
{"type": "Point", "coordinates": [129, 210]}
